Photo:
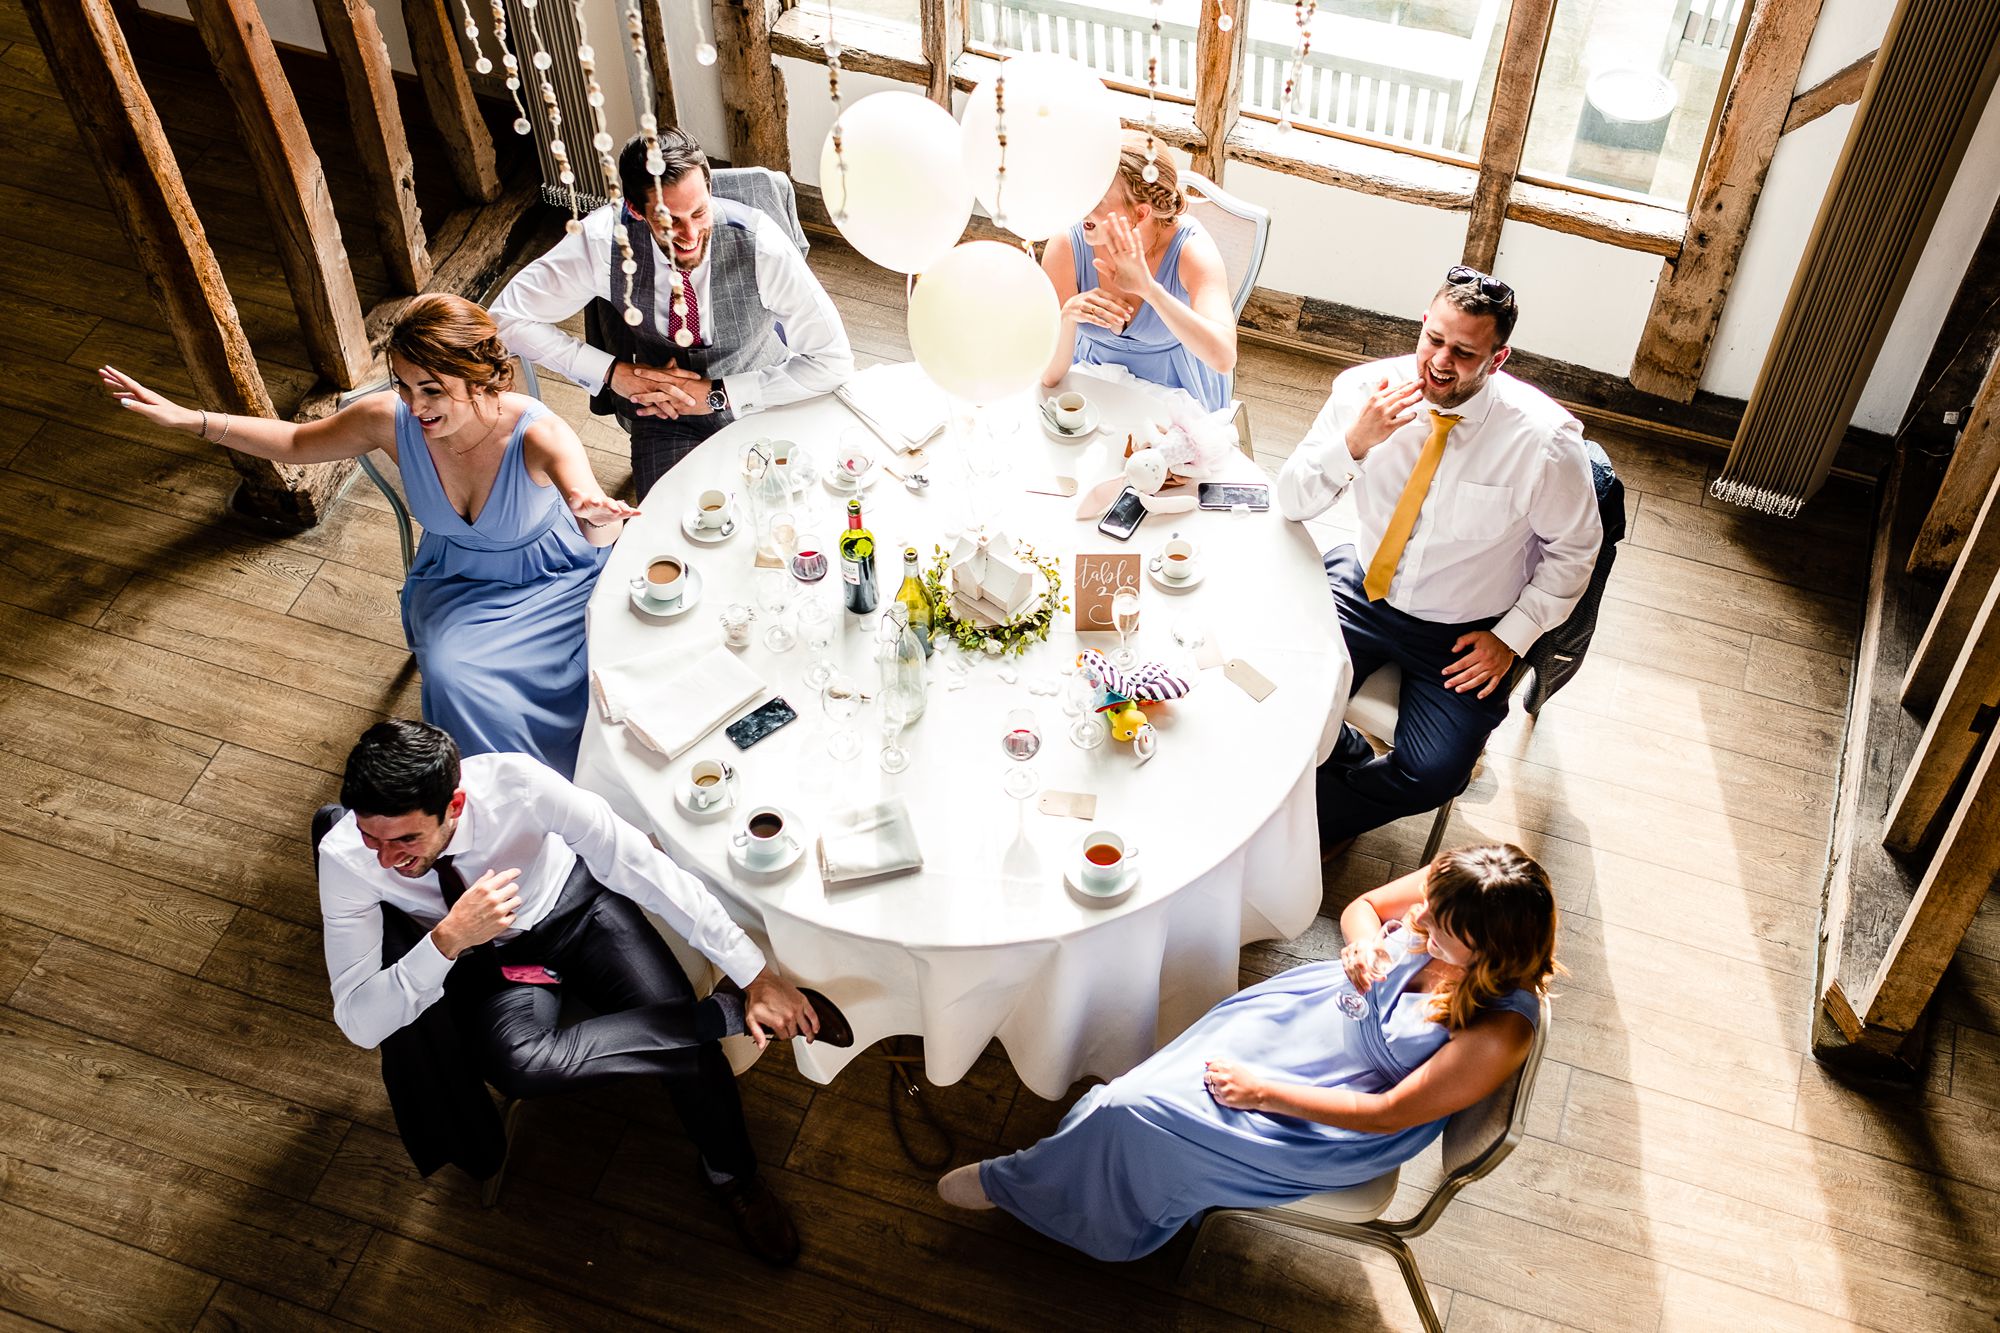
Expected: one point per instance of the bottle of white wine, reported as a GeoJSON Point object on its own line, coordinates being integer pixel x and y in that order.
{"type": "Point", "coordinates": [913, 598]}
{"type": "Point", "coordinates": [857, 563]}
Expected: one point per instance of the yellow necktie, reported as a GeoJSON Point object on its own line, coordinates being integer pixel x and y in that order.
{"type": "Point", "coordinates": [1382, 569]}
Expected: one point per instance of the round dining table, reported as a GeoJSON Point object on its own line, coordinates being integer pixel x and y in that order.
{"type": "Point", "coordinates": [990, 938]}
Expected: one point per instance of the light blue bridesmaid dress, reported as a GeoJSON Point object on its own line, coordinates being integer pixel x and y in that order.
{"type": "Point", "coordinates": [1147, 347]}
{"type": "Point", "coordinates": [494, 609]}
{"type": "Point", "coordinates": [1139, 1156]}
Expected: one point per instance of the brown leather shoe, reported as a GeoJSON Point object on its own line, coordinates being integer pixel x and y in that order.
{"type": "Point", "coordinates": [834, 1028]}
{"type": "Point", "coordinates": [762, 1221]}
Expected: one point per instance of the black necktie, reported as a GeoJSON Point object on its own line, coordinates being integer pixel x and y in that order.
{"type": "Point", "coordinates": [450, 881]}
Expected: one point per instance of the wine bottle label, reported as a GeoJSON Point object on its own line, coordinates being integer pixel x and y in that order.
{"type": "Point", "coordinates": [850, 571]}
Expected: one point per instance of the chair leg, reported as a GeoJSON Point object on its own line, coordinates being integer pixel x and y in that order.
{"type": "Point", "coordinates": [1243, 430]}
{"type": "Point", "coordinates": [1437, 829]}
{"type": "Point", "coordinates": [489, 1189]}
{"type": "Point", "coordinates": [1413, 1278]}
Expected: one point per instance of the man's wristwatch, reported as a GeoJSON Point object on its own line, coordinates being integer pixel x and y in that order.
{"type": "Point", "coordinates": [718, 401]}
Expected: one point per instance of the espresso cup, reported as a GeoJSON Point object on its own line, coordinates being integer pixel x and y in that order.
{"type": "Point", "coordinates": [1177, 560]}
{"type": "Point", "coordinates": [1069, 410]}
{"type": "Point", "coordinates": [711, 509]}
{"type": "Point", "coordinates": [663, 582]}
{"type": "Point", "coordinates": [1106, 861]}
{"type": "Point", "coordinates": [763, 838]}
{"type": "Point", "coordinates": [708, 784]}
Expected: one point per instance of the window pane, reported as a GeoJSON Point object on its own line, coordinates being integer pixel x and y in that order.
{"type": "Point", "coordinates": [1410, 73]}
{"type": "Point", "coordinates": [1110, 36]}
{"type": "Point", "coordinates": [1627, 91]}
{"type": "Point", "coordinates": [877, 11]}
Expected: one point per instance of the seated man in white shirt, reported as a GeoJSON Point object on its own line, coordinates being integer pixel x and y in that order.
{"type": "Point", "coordinates": [732, 319]}
{"type": "Point", "coordinates": [1478, 527]}
{"type": "Point", "coordinates": [526, 883]}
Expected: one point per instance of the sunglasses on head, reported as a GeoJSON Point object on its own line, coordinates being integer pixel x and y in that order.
{"type": "Point", "coordinates": [1490, 287]}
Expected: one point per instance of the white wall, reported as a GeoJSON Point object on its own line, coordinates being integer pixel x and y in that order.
{"type": "Point", "coordinates": [294, 23]}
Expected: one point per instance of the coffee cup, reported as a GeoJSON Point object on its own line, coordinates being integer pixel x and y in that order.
{"type": "Point", "coordinates": [762, 839]}
{"type": "Point", "coordinates": [1068, 410]}
{"type": "Point", "coordinates": [663, 582]}
{"type": "Point", "coordinates": [711, 509]}
{"type": "Point", "coordinates": [781, 453]}
{"type": "Point", "coordinates": [708, 784]}
{"type": "Point", "coordinates": [1177, 560]}
{"type": "Point", "coordinates": [1107, 859]}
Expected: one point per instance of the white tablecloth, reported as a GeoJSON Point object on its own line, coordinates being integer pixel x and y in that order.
{"type": "Point", "coordinates": [986, 940]}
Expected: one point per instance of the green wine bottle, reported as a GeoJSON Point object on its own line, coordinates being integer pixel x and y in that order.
{"type": "Point", "coordinates": [857, 563]}
{"type": "Point", "coordinates": [913, 596]}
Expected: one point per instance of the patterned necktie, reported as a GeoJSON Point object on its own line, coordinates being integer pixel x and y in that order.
{"type": "Point", "coordinates": [450, 882]}
{"type": "Point", "coordinates": [686, 312]}
{"type": "Point", "coordinates": [1382, 569]}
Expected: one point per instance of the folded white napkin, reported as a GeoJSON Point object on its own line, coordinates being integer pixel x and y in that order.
{"type": "Point", "coordinates": [668, 701]}
{"type": "Point", "coordinates": [868, 842]}
{"type": "Point", "coordinates": [898, 403]}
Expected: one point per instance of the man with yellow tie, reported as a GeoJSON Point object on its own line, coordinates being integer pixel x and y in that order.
{"type": "Point", "coordinates": [1477, 527]}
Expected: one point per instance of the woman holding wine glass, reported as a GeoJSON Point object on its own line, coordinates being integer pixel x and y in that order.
{"type": "Point", "coordinates": [1278, 1093]}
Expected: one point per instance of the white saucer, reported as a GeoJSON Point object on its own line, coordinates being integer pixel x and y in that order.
{"type": "Point", "coordinates": [709, 536]}
{"type": "Point", "coordinates": [1160, 580]}
{"type": "Point", "coordinates": [1092, 418]}
{"type": "Point", "coordinates": [832, 481]}
{"type": "Point", "coordinates": [1073, 881]}
{"type": "Point", "coordinates": [687, 807]}
{"type": "Point", "coordinates": [680, 608]}
{"type": "Point", "coordinates": [778, 867]}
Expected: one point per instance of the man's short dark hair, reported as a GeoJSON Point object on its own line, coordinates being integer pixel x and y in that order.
{"type": "Point", "coordinates": [1474, 300]}
{"type": "Point", "coordinates": [678, 151]}
{"type": "Point", "coordinates": [399, 767]}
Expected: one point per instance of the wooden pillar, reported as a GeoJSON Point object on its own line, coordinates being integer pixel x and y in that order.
{"type": "Point", "coordinates": [1975, 462]}
{"type": "Point", "coordinates": [1506, 128]}
{"type": "Point", "coordinates": [1218, 82]}
{"type": "Point", "coordinates": [944, 37]}
{"type": "Point", "coordinates": [448, 92]}
{"type": "Point", "coordinates": [1687, 304]}
{"type": "Point", "coordinates": [355, 41]}
{"type": "Point", "coordinates": [666, 110]}
{"type": "Point", "coordinates": [1966, 864]}
{"type": "Point", "coordinates": [1838, 89]}
{"type": "Point", "coordinates": [293, 186]}
{"type": "Point", "coordinates": [1975, 572]}
{"type": "Point", "coordinates": [1961, 723]}
{"type": "Point", "coordinates": [123, 138]}
{"type": "Point", "coordinates": [753, 96]}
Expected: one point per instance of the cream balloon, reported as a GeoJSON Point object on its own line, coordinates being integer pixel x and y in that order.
{"type": "Point", "coordinates": [904, 192]}
{"type": "Point", "coordinates": [1063, 135]}
{"type": "Point", "coordinates": [983, 321]}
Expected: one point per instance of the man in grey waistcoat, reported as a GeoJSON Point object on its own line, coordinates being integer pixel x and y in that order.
{"type": "Point", "coordinates": [730, 319]}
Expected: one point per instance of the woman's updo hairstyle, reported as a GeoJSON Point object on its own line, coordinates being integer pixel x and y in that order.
{"type": "Point", "coordinates": [449, 335]}
{"type": "Point", "coordinates": [1497, 899]}
{"type": "Point", "coordinates": [1163, 195]}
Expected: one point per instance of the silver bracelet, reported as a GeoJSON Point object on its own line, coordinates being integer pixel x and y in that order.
{"type": "Point", "coordinates": [225, 429]}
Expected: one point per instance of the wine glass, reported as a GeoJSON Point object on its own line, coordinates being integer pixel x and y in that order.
{"type": "Point", "coordinates": [774, 594]}
{"type": "Point", "coordinates": [1021, 738]}
{"type": "Point", "coordinates": [1079, 700]}
{"type": "Point", "coordinates": [1351, 1001]}
{"type": "Point", "coordinates": [895, 716]}
{"type": "Point", "coordinates": [1124, 619]}
{"type": "Point", "coordinates": [816, 628]}
{"type": "Point", "coordinates": [841, 697]}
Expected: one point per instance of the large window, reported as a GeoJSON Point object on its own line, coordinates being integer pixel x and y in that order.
{"type": "Point", "coordinates": [1113, 37]}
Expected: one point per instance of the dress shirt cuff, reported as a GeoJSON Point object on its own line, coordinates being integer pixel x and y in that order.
{"type": "Point", "coordinates": [742, 962]}
{"type": "Point", "coordinates": [1336, 461]}
{"type": "Point", "coordinates": [593, 367]}
{"type": "Point", "coordinates": [1517, 631]}
{"type": "Point", "coordinates": [425, 965]}
{"type": "Point", "coordinates": [742, 390]}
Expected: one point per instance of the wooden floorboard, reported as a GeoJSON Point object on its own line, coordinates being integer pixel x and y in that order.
{"type": "Point", "coordinates": [186, 1140]}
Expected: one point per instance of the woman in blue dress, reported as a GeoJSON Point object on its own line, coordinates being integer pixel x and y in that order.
{"type": "Point", "coordinates": [1277, 1093]}
{"type": "Point", "coordinates": [1143, 287]}
{"type": "Point", "coordinates": [515, 525]}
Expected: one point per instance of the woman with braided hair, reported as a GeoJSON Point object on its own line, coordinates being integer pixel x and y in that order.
{"type": "Point", "coordinates": [515, 524]}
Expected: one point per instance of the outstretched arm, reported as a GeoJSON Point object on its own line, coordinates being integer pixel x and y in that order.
{"type": "Point", "coordinates": [369, 423]}
{"type": "Point", "coordinates": [556, 457]}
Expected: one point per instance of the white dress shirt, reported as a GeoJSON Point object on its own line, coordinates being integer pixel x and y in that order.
{"type": "Point", "coordinates": [1509, 526]}
{"type": "Point", "coordinates": [578, 268]}
{"type": "Point", "coordinates": [519, 813]}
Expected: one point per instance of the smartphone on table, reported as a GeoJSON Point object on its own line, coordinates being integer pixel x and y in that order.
{"type": "Point", "coordinates": [755, 725]}
{"type": "Point", "coordinates": [1127, 512]}
{"type": "Point", "coordinates": [1228, 494]}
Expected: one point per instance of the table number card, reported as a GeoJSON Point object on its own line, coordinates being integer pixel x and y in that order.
{"type": "Point", "coordinates": [1098, 577]}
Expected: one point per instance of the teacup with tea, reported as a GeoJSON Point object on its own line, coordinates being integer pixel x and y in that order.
{"type": "Point", "coordinates": [1178, 559]}
{"type": "Point", "coordinates": [1106, 863]}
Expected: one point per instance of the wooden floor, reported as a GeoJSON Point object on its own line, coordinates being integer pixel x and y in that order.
{"type": "Point", "coordinates": [187, 1141]}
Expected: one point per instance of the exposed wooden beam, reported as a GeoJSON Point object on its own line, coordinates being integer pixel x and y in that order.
{"type": "Point", "coordinates": [1506, 127]}
{"type": "Point", "coordinates": [123, 137]}
{"type": "Point", "coordinates": [1974, 464]}
{"type": "Point", "coordinates": [448, 92]}
{"type": "Point", "coordinates": [355, 41]}
{"type": "Point", "coordinates": [753, 96]}
{"type": "Point", "coordinates": [943, 23]}
{"type": "Point", "coordinates": [1837, 89]}
{"type": "Point", "coordinates": [293, 185]}
{"type": "Point", "coordinates": [1977, 569]}
{"type": "Point", "coordinates": [666, 110]}
{"type": "Point", "coordinates": [1687, 303]}
{"type": "Point", "coordinates": [1628, 225]}
{"type": "Point", "coordinates": [1960, 724]}
{"type": "Point", "coordinates": [1218, 82]}
{"type": "Point", "coordinates": [1964, 868]}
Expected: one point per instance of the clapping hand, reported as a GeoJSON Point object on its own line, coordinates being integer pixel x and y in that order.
{"type": "Point", "coordinates": [138, 398]}
{"type": "Point", "coordinates": [1124, 261]}
{"type": "Point", "coordinates": [1231, 1087]}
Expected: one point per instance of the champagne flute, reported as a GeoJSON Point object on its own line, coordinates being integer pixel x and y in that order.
{"type": "Point", "coordinates": [841, 697]}
{"type": "Point", "coordinates": [1125, 619]}
{"type": "Point", "coordinates": [1021, 738]}
{"type": "Point", "coordinates": [774, 594]}
{"type": "Point", "coordinates": [895, 716]}
{"type": "Point", "coordinates": [816, 627]}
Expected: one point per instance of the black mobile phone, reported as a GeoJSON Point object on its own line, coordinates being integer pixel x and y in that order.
{"type": "Point", "coordinates": [752, 727]}
{"type": "Point", "coordinates": [1229, 494]}
{"type": "Point", "coordinates": [1127, 512]}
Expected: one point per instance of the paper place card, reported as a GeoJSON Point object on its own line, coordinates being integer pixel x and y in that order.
{"type": "Point", "coordinates": [1063, 486]}
{"type": "Point", "coordinates": [1098, 577]}
{"type": "Point", "coordinates": [904, 466]}
{"type": "Point", "coordinates": [1070, 804]}
{"type": "Point", "coordinates": [1252, 681]}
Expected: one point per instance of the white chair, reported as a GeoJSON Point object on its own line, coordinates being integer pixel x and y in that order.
{"type": "Point", "coordinates": [1241, 231]}
{"type": "Point", "coordinates": [1475, 1141]}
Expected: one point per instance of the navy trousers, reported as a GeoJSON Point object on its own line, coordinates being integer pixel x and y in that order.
{"type": "Point", "coordinates": [1439, 733]}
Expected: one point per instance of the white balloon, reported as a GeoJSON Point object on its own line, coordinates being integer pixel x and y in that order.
{"type": "Point", "coordinates": [1063, 135]}
{"type": "Point", "coordinates": [983, 321]}
{"type": "Point", "coordinates": [904, 192]}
